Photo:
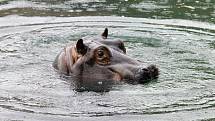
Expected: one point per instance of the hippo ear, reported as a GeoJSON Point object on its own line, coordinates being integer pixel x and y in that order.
{"type": "Point", "coordinates": [81, 47]}
{"type": "Point", "coordinates": [105, 33]}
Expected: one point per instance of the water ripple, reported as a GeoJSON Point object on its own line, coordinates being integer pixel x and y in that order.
{"type": "Point", "coordinates": [183, 50]}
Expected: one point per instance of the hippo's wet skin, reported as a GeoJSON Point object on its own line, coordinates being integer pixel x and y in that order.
{"type": "Point", "coordinates": [95, 61]}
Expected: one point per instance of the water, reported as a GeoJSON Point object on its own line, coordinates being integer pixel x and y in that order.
{"type": "Point", "coordinates": [33, 32]}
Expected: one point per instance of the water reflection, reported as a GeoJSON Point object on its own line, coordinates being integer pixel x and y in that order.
{"type": "Point", "coordinates": [202, 10]}
{"type": "Point", "coordinates": [89, 85]}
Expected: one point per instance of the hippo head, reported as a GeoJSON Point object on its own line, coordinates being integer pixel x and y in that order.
{"type": "Point", "coordinates": [101, 61]}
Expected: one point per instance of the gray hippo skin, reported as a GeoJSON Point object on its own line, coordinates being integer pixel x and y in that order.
{"type": "Point", "coordinates": [99, 60]}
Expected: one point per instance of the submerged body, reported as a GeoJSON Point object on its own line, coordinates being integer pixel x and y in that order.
{"type": "Point", "coordinates": [99, 59]}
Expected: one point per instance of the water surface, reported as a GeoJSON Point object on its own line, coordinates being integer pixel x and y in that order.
{"type": "Point", "coordinates": [184, 50]}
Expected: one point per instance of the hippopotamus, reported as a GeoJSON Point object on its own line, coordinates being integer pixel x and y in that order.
{"type": "Point", "coordinates": [100, 60]}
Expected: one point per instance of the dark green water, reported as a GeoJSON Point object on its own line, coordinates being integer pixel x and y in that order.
{"type": "Point", "coordinates": [178, 36]}
{"type": "Point", "coordinates": [200, 10]}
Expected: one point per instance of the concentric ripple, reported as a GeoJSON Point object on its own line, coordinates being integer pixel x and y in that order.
{"type": "Point", "coordinates": [31, 89]}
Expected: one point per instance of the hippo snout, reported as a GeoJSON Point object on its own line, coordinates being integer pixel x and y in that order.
{"type": "Point", "coordinates": [145, 74]}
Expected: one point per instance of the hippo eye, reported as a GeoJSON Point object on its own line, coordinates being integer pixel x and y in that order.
{"type": "Point", "coordinates": [100, 53]}
{"type": "Point", "coordinates": [102, 56]}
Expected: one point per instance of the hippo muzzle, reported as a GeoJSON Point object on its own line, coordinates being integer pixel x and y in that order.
{"type": "Point", "coordinates": [102, 61]}
{"type": "Point", "coordinates": [143, 75]}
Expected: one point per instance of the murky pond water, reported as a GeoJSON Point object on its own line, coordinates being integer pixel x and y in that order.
{"type": "Point", "coordinates": [184, 50]}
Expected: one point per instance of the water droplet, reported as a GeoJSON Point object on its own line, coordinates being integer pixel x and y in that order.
{"type": "Point", "coordinates": [78, 10]}
{"type": "Point", "coordinates": [100, 83]}
{"type": "Point", "coordinates": [71, 11]}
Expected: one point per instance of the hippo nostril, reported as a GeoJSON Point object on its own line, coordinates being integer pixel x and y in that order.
{"type": "Point", "coordinates": [145, 73]}
{"type": "Point", "coordinates": [154, 72]}
{"type": "Point", "coordinates": [144, 69]}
